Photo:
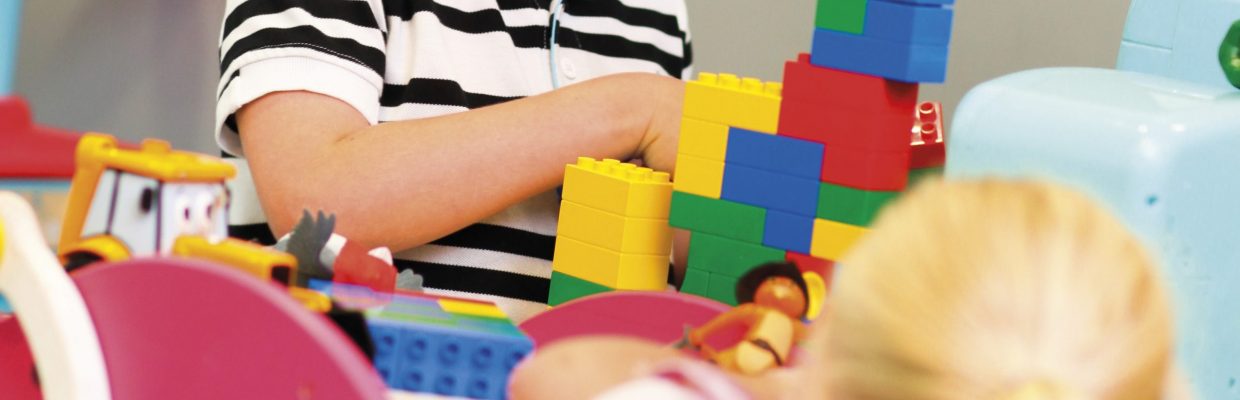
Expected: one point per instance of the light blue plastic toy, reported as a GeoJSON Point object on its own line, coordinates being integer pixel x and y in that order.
{"type": "Point", "coordinates": [1160, 146]}
{"type": "Point", "coordinates": [10, 18]}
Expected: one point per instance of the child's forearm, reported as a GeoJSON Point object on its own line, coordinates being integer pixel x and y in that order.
{"type": "Point", "coordinates": [401, 184]}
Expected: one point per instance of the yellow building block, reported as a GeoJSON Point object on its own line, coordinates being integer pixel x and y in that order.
{"type": "Point", "coordinates": [609, 268]}
{"type": "Point", "coordinates": [704, 139]}
{"type": "Point", "coordinates": [698, 176]}
{"type": "Point", "coordinates": [729, 100]}
{"type": "Point", "coordinates": [833, 239]}
{"type": "Point", "coordinates": [619, 188]}
{"type": "Point", "coordinates": [472, 308]}
{"type": "Point", "coordinates": [650, 236]}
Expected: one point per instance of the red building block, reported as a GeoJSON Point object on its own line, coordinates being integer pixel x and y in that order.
{"type": "Point", "coordinates": [31, 151]}
{"type": "Point", "coordinates": [867, 170]}
{"type": "Point", "coordinates": [928, 144]}
{"type": "Point", "coordinates": [845, 109]}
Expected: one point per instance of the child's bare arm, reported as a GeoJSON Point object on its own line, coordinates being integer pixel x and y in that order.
{"type": "Point", "coordinates": [401, 184]}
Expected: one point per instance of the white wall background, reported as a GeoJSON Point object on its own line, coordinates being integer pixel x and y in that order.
{"type": "Point", "coordinates": [141, 68]}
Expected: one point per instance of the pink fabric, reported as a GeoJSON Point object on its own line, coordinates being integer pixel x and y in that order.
{"type": "Point", "coordinates": [183, 329]}
{"type": "Point", "coordinates": [17, 381]}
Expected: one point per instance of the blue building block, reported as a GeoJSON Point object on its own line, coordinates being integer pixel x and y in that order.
{"type": "Point", "coordinates": [927, 2]}
{"type": "Point", "coordinates": [908, 23]}
{"type": "Point", "coordinates": [872, 56]}
{"type": "Point", "coordinates": [770, 190]}
{"type": "Point", "coordinates": [444, 360]}
{"type": "Point", "coordinates": [780, 154]}
{"type": "Point", "coordinates": [10, 23]}
{"type": "Point", "coordinates": [788, 231]}
{"type": "Point", "coordinates": [1160, 153]}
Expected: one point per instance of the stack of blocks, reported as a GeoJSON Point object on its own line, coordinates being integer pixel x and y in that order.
{"type": "Point", "coordinates": [797, 171]}
{"type": "Point", "coordinates": [434, 344]}
{"type": "Point", "coordinates": [613, 232]}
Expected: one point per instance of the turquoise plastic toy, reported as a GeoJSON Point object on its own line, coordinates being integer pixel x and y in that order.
{"type": "Point", "coordinates": [10, 18]}
{"type": "Point", "coordinates": [1159, 142]}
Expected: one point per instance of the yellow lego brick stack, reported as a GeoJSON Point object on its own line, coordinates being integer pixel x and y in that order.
{"type": "Point", "coordinates": [613, 232]}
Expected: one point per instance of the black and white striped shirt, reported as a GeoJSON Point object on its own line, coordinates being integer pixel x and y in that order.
{"type": "Point", "coordinates": [396, 60]}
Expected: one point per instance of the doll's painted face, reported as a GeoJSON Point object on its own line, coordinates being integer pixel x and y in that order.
{"type": "Point", "coordinates": [782, 294]}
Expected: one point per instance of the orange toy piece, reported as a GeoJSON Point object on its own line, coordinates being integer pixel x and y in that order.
{"type": "Point", "coordinates": [356, 266]}
{"type": "Point", "coordinates": [774, 298]}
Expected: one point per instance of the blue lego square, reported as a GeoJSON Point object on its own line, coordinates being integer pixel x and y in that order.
{"type": "Point", "coordinates": [872, 56]}
{"type": "Point", "coordinates": [431, 358]}
{"type": "Point", "coordinates": [782, 154]}
{"type": "Point", "coordinates": [770, 190]}
{"type": "Point", "coordinates": [788, 231]}
{"type": "Point", "coordinates": [908, 23]}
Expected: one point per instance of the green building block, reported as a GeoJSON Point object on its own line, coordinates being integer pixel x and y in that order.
{"type": "Point", "coordinates": [696, 282]}
{"type": "Point", "coordinates": [851, 206]}
{"type": "Point", "coordinates": [728, 257]}
{"type": "Point", "coordinates": [916, 175]}
{"type": "Point", "coordinates": [722, 289]}
{"type": "Point", "coordinates": [565, 287]}
{"type": "Point", "coordinates": [841, 15]}
{"type": "Point", "coordinates": [717, 217]}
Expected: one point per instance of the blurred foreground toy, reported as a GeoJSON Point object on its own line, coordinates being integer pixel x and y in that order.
{"type": "Point", "coordinates": [436, 344]}
{"type": "Point", "coordinates": [774, 300]}
{"type": "Point", "coordinates": [629, 314]}
{"type": "Point", "coordinates": [130, 330]}
{"type": "Point", "coordinates": [324, 255]}
{"type": "Point", "coordinates": [1157, 146]}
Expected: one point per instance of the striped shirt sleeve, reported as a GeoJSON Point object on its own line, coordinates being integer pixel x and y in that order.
{"type": "Point", "coordinates": [331, 47]}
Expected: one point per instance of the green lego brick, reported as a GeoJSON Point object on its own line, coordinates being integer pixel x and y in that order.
{"type": "Point", "coordinates": [841, 15]}
{"type": "Point", "coordinates": [696, 282]}
{"type": "Point", "coordinates": [722, 289]}
{"type": "Point", "coordinates": [565, 287]}
{"type": "Point", "coordinates": [916, 175]}
{"type": "Point", "coordinates": [851, 206]}
{"type": "Point", "coordinates": [728, 257]}
{"type": "Point", "coordinates": [717, 217]}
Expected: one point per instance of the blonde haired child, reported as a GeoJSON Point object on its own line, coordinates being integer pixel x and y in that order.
{"type": "Point", "coordinates": [996, 290]}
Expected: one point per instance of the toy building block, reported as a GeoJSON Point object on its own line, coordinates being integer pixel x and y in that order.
{"type": "Point", "coordinates": [915, 176]}
{"type": "Point", "coordinates": [727, 99]}
{"type": "Point", "coordinates": [722, 289]}
{"type": "Point", "coordinates": [845, 109]}
{"type": "Point", "coordinates": [610, 268]}
{"type": "Point", "coordinates": [698, 176]}
{"type": "Point", "coordinates": [866, 170]}
{"type": "Point", "coordinates": [565, 287]}
{"type": "Point", "coordinates": [617, 187]}
{"type": "Point", "coordinates": [902, 22]}
{"type": "Point", "coordinates": [841, 15]}
{"type": "Point", "coordinates": [806, 82]}
{"type": "Point", "coordinates": [717, 217]}
{"type": "Point", "coordinates": [723, 256]}
{"type": "Point", "coordinates": [778, 154]}
{"type": "Point", "coordinates": [833, 239]}
{"type": "Point", "coordinates": [703, 139]}
{"type": "Point", "coordinates": [872, 56]}
{"type": "Point", "coordinates": [614, 232]}
{"type": "Point", "coordinates": [770, 190]}
{"type": "Point", "coordinates": [696, 282]}
{"type": "Point", "coordinates": [788, 231]}
{"type": "Point", "coordinates": [928, 148]}
{"type": "Point", "coordinates": [851, 206]}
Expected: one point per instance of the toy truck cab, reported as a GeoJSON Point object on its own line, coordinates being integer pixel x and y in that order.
{"type": "Point", "coordinates": [124, 203]}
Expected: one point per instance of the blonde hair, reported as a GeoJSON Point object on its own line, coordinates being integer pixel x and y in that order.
{"type": "Point", "coordinates": [996, 290]}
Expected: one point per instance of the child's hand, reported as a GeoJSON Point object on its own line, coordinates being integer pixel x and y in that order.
{"type": "Point", "coordinates": [658, 145]}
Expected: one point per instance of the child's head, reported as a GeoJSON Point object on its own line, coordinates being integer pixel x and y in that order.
{"type": "Point", "coordinates": [996, 290]}
{"type": "Point", "coordinates": [778, 285]}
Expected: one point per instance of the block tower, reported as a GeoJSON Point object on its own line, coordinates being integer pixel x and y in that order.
{"type": "Point", "coordinates": [797, 171]}
{"type": "Point", "coordinates": [613, 231]}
